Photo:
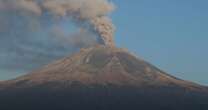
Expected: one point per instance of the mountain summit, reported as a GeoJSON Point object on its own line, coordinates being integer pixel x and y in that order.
{"type": "Point", "coordinates": [101, 78]}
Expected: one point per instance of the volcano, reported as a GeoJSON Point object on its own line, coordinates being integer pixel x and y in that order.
{"type": "Point", "coordinates": [101, 78]}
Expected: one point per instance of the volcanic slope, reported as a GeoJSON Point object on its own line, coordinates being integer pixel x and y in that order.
{"type": "Point", "coordinates": [101, 78]}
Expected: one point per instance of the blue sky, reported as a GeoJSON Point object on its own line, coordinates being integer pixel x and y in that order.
{"type": "Point", "coordinates": [171, 34]}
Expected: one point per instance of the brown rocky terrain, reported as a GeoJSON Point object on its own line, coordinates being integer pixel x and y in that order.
{"type": "Point", "coordinates": [102, 78]}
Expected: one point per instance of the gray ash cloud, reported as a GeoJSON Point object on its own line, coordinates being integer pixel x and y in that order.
{"type": "Point", "coordinates": [31, 34]}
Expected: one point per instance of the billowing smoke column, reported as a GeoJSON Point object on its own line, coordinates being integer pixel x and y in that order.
{"type": "Point", "coordinates": [89, 14]}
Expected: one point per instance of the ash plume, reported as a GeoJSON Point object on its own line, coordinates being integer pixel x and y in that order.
{"type": "Point", "coordinates": [91, 14]}
{"type": "Point", "coordinates": [27, 34]}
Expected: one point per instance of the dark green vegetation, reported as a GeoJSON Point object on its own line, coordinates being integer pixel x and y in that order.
{"type": "Point", "coordinates": [102, 98]}
{"type": "Point", "coordinates": [101, 78]}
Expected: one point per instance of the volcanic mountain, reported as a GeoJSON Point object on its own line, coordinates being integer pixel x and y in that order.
{"type": "Point", "coordinates": [101, 78]}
